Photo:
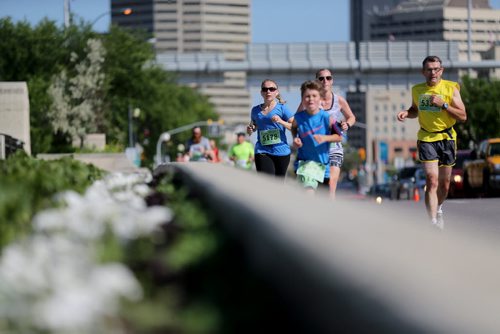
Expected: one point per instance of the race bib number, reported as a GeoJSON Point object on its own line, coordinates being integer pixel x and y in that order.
{"type": "Point", "coordinates": [270, 137]}
{"type": "Point", "coordinates": [424, 103]}
{"type": "Point", "coordinates": [312, 169]}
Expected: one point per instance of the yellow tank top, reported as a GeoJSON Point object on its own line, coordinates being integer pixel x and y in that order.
{"type": "Point", "coordinates": [433, 119]}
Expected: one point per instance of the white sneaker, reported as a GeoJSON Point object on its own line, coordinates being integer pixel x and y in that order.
{"type": "Point", "coordinates": [437, 223]}
{"type": "Point", "coordinates": [440, 217]}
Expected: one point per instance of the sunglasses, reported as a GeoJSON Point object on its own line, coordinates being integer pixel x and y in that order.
{"type": "Point", "coordinates": [329, 77]}
{"type": "Point", "coordinates": [268, 89]}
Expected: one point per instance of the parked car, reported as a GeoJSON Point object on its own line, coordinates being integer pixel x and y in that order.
{"type": "Point", "coordinates": [482, 174]}
{"type": "Point", "coordinates": [457, 174]}
{"type": "Point", "coordinates": [406, 180]}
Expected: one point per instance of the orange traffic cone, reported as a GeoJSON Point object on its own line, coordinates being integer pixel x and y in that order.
{"type": "Point", "coordinates": [416, 195]}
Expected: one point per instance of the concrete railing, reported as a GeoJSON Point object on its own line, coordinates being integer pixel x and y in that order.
{"type": "Point", "coordinates": [112, 162]}
{"type": "Point", "coordinates": [352, 266]}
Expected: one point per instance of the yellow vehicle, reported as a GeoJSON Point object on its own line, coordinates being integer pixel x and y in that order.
{"type": "Point", "coordinates": [482, 174]}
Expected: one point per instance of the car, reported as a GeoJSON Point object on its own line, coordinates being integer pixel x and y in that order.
{"type": "Point", "coordinates": [457, 174]}
{"type": "Point", "coordinates": [405, 181]}
{"type": "Point", "coordinates": [482, 173]}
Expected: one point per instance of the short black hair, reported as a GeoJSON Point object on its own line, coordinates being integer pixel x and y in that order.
{"type": "Point", "coordinates": [239, 134]}
{"type": "Point", "coordinates": [431, 59]}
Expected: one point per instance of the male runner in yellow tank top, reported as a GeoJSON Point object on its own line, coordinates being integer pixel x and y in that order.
{"type": "Point", "coordinates": [438, 105]}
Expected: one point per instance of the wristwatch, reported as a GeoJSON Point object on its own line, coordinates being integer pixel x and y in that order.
{"type": "Point", "coordinates": [445, 106]}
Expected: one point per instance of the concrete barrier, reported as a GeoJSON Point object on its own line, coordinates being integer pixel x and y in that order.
{"type": "Point", "coordinates": [349, 265]}
{"type": "Point", "coordinates": [111, 162]}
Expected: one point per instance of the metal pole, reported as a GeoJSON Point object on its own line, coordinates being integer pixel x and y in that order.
{"type": "Point", "coordinates": [469, 32]}
{"type": "Point", "coordinates": [130, 127]}
{"type": "Point", "coordinates": [67, 14]}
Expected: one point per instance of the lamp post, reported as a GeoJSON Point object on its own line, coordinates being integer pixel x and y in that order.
{"type": "Point", "coordinates": [132, 113]}
{"type": "Point", "coordinates": [124, 11]}
{"type": "Point", "coordinates": [68, 20]}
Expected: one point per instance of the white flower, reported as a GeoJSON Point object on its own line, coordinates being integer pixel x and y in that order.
{"type": "Point", "coordinates": [51, 281]}
{"type": "Point", "coordinates": [86, 300]}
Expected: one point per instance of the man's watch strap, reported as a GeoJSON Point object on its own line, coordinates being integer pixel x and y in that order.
{"type": "Point", "coordinates": [445, 106]}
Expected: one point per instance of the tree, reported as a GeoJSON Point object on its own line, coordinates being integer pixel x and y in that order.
{"type": "Point", "coordinates": [42, 53]}
{"type": "Point", "coordinates": [481, 99]}
{"type": "Point", "coordinates": [77, 101]}
{"type": "Point", "coordinates": [35, 55]}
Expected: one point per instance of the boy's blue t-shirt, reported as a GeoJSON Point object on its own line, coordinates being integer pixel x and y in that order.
{"type": "Point", "coordinates": [307, 126]}
{"type": "Point", "coordinates": [271, 137]}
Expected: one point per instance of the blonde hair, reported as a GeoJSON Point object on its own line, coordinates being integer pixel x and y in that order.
{"type": "Point", "coordinates": [278, 96]}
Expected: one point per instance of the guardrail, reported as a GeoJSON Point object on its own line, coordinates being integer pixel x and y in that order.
{"type": "Point", "coordinates": [348, 265]}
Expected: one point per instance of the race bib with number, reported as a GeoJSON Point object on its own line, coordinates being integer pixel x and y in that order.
{"type": "Point", "coordinates": [424, 103]}
{"type": "Point", "coordinates": [270, 137]}
{"type": "Point", "coordinates": [312, 169]}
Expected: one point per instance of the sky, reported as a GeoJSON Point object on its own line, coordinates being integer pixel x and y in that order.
{"type": "Point", "coordinates": [272, 20]}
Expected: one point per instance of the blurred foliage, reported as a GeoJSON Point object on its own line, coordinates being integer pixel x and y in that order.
{"type": "Point", "coordinates": [28, 185]}
{"type": "Point", "coordinates": [197, 278]}
{"type": "Point", "coordinates": [482, 102]}
{"type": "Point", "coordinates": [36, 54]}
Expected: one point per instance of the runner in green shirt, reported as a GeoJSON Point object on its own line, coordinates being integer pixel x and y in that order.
{"type": "Point", "coordinates": [242, 152]}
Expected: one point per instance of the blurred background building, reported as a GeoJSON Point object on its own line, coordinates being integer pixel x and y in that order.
{"type": "Point", "coordinates": [427, 20]}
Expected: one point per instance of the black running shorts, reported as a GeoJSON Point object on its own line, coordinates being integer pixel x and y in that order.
{"type": "Point", "coordinates": [442, 151]}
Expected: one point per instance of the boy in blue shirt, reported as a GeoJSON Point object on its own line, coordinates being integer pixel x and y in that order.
{"type": "Point", "coordinates": [311, 130]}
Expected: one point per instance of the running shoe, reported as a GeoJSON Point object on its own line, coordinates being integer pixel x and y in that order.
{"type": "Point", "coordinates": [439, 217]}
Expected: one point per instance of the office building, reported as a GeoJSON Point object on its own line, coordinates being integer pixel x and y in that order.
{"type": "Point", "coordinates": [192, 27]}
{"type": "Point", "coordinates": [429, 20]}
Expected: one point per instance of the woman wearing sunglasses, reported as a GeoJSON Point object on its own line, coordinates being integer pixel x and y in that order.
{"type": "Point", "coordinates": [337, 107]}
{"type": "Point", "coordinates": [271, 119]}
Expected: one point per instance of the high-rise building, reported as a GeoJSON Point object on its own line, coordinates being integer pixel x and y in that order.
{"type": "Point", "coordinates": [363, 12]}
{"type": "Point", "coordinates": [429, 20]}
{"type": "Point", "coordinates": [194, 27]}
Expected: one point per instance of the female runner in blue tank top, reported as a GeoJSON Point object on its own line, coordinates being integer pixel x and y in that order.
{"type": "Point", "coordinates": [271, 119]}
